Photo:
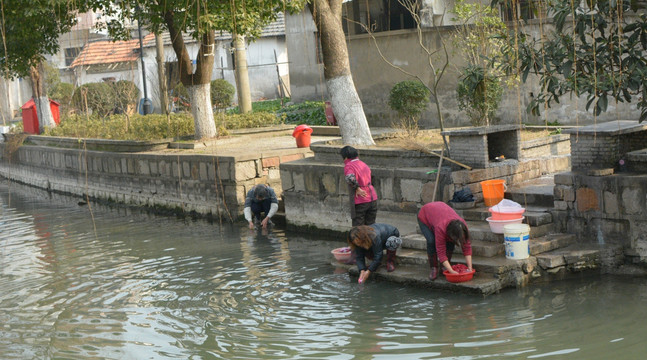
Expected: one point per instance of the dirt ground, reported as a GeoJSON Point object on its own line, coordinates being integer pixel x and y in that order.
{"type": "Point", "coordinates": [432, 139]}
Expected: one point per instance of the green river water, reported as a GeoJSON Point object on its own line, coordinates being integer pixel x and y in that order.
{"type": "Point", "coordinates": [95, 282]}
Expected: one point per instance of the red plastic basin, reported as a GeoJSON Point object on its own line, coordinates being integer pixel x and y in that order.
{"type": "Point", "coordinates": [462, 276]}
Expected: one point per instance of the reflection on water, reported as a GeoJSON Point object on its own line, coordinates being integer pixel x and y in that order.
{"type": "Point", "coordinates": [147, 287]}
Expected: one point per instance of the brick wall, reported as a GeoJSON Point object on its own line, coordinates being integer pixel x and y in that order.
{"type": "Point", "coordinates": [470, 150]}
{"type": "Point", "coordinates": [600, 151]}
{"type": "Point", "coordinates": [550, 146]}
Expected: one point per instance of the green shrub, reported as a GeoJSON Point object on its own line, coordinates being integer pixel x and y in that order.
{"type": "Point", "coordinates": [308, 112]}
{"type": "Point", "coordinates": [263, 106]}
{"type": "Point", "coordinates": [126, 96]}
{"type": "Point", "coordinates": [99, 98]}
{"type": "Point", "coordinates": [222, 93]}
{"type": "Point", "coordinates": [246, 121]}
{"type": "Point", "coordinates": [148, 127]}
{"type": "Point", "coordinates": [479, 95]}
{"type": "Point", "coordinates": [409, 99]}
{"type": "Point", "coordinates": [62, 92]}
{"type": "Point", "coordinates": [153, 126]}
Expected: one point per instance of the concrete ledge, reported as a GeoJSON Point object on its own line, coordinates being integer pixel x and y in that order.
{"type": "Point", "coordinates": [611, 128]}
{"type": "Point", "coordinates": [98, 144]}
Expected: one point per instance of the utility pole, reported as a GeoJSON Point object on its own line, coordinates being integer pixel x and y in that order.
{"type": "Point", "coordinates": [159, 45]}
{"type": "Point", "coordinates": [146, 104]}
{"type": "Point", "coordinates": [244, 95]}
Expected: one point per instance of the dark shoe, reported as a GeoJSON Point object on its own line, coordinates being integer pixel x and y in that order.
{"type": "Point", "coordinates": [390, 260]}
{"type": "Point", "coordinates": [433, 274]}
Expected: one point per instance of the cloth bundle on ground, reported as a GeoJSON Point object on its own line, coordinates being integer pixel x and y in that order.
{"type": "Point", "coordinates": [463, 195]}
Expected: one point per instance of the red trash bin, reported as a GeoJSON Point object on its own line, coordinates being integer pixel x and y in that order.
{"type": "Point", "coordinates": [30, 116]}
{"type": "Point", "coordinates": [302, 133]}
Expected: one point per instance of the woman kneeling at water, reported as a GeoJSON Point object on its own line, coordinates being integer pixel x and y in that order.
{"type": "Point", "coordinates": [443, 228]}
{"type": "Point", "coordinates": [370, 241]}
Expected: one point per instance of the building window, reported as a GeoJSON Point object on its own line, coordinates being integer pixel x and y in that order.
{"type": "Point", "coordinates": [518, 10]}
{"type": "Point", "coordinates": [362, 16]}
{"type": "Point", "coordinates": [71, 54]}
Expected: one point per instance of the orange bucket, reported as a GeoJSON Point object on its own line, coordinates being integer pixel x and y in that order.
{"type": "Point", "coordinates": [493, 191]}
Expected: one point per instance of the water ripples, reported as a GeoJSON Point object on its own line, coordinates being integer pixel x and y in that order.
{"type": "Point", "coordinates": [142, 286]}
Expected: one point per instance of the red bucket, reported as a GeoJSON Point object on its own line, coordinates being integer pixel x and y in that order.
{"type": "Point", "coordinates": [302, 133]}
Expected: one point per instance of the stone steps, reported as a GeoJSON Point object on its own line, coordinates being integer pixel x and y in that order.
{"type": "Point", "coordinates": [481, 284]}
{"type": "Point", "coordinates": [494, 273]}
{"type": "Point", "coordinates": [537, 192]}
{"type": "Point", "coordinates": [413, 244]}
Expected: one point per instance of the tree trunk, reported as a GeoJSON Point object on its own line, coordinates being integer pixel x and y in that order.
{"type": "Point", "coordinates": [161, 76]}
{"type": "Point", "coordinates": [198, 83]}
{"type": "Point", "coordinates": [43, 111]}
{"type": "Point", "coordinates": [346, 104]}
{"type": "Point", "coordinates": [242, 75]}
{"type": "Point", "coordinates": [201, 109]}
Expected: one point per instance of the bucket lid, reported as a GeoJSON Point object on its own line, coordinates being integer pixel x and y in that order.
{"type": "Point", "coordinates": [514, 228]}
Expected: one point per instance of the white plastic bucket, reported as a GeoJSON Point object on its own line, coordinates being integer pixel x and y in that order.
{"type": "Point", "coordinates": [517, 241]}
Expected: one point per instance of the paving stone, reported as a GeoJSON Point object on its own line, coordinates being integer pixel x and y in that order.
{"type": "Point", "coordinates": [550, 261]}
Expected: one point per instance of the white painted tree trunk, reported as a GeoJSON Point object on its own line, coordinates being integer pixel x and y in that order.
{"type": "Point", "coordinates": [348, 111]}
{"type": "Point", "coordinates": [200, 96]}
{"type": "Point", "coordinates": [44, 113]}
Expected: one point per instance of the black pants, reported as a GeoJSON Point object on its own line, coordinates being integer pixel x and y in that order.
{"type": "Point", "coordinates": [365, 213]}
{"type": "Point", "coordinates": [262, 206]}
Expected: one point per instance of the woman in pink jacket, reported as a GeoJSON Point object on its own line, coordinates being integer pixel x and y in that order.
{"type": "Point", "coordinates": [362, 194]}
{"type": "Point", "coordinates": [443, 228]}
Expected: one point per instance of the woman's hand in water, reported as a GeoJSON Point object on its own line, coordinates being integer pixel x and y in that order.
{"type": "Point", "coordinates": [363, 275]}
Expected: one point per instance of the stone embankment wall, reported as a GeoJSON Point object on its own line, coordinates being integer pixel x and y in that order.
{"type": "Point", "coordinates": [316, 194]}
{"type": "Point", "coordinates": [604, 210]}
{"type": "Point", "coordinates": [602, 200]}
{"type": "Point", "coordinates": [206, 184]}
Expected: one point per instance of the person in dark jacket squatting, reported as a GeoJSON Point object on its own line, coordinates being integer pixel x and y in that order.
{"type": "Point", "coordinates": [370, 241]}
{"type": "Point", "coordinates": [362, 195]}
{"type": "Point", "coordinates": [260, 199]}
{"type": "Point", "coordinates": [443, 228]}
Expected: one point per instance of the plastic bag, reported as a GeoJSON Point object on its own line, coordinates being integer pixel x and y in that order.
{"type": "Point", "coordinates": [506, 205]}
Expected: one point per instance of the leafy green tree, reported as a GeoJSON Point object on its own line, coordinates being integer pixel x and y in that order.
{"type": "Point", "coordinates": [409, 99]}
{"type": "Point", "coordinates": [200, 19]}
{"type": "Point", "coordinates": [479, 37]}
{"type": "Point", "coordinates": [30, 31]}
{"type": "Point", "coordinates": [222, 93]}
{"type": "Point", "coordinates": [479, 94]}
{"type": "Point", "coordinates": [598, 50]}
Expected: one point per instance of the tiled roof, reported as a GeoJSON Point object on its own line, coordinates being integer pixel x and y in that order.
{"type": "Point", "coordinates": [109, 52]}
{"type": "Point", "coordinates": [275, 28]}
